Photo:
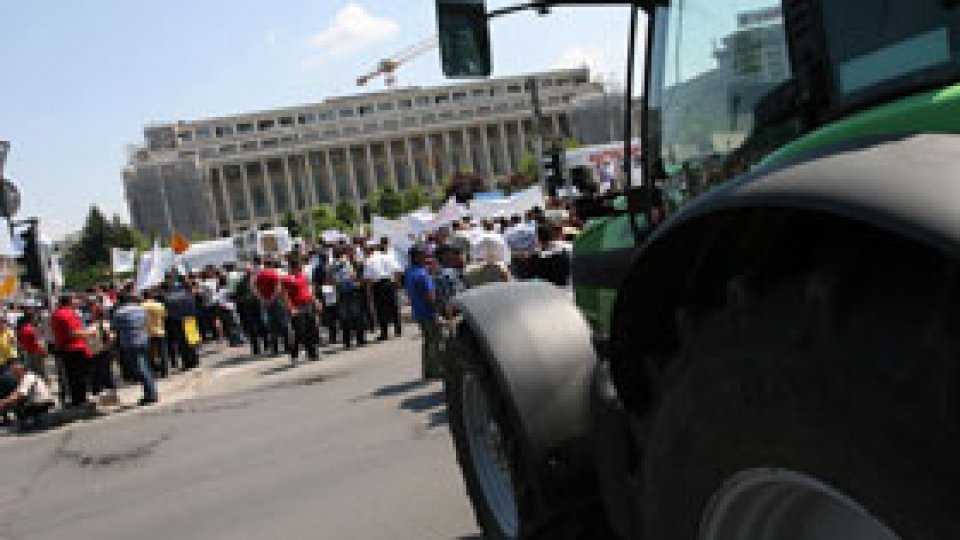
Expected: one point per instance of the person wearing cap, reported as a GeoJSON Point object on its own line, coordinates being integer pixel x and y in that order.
{"type": "Point", "coordinates": [30, 399]}
{"type": "Point", "coordinates": [421, 291]}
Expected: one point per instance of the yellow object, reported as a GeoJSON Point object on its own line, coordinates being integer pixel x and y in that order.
{"type": "Point", "coordinates": [192, 331]}
{"type": "Point", "coordinates": [178, 243]}
{"type": "Point", "coordinates": [8, 345]}
{"type": "Point", "coordinates": [8, 286]}
{"type": "Point", "coordinates": [155, 315]}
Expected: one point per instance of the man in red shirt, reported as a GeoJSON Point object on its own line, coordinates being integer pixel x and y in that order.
{"type": "Point", "coordinates": [70, 339]}
{"type": "Point", "coordinates": [30, 344]}
{"type": "Point", "coordinates": [303, 311]}
{"type": "Point", "coordinates": [267, 285]}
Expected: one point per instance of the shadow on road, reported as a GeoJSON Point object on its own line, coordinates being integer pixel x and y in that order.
{"type": "Point", "coordinates": [242, 360]}
{"type": "Point", "coordinates": [61, 417]}
{"type": "Point", "coordinates": [399, 388]}
{"type": "Point", "coordinates": [423, 402]}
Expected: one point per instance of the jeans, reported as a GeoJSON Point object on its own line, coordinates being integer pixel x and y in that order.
{"type": "Point", "coordinates": [431, 360]}
{"type": "Point", "coordinates": [387, 306]}
{"type": "Point", "coordinates": [278, 326]}
{"type": "Point", "coordinates": [158, 355]}
{"type": "Point", "coordinates": [305, 333]}
{"type": "Point", "coordinates": [137, 359]}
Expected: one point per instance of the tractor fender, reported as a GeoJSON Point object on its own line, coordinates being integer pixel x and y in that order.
{"type": "Point", "coordinates": [538, 347]}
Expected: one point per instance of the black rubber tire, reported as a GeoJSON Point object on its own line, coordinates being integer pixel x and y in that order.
{"type": "Point", "coordinates": [583, 522]}
{"type": "Point", "coordinates": [847, 375]}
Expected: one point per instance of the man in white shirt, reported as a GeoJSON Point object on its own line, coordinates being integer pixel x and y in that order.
{"type": "Point", "coordinates": [484, 238]}
{"type": "Point", "coordinates": [30, 400]}
{"type": "Point", "coordinates": [381, 271]}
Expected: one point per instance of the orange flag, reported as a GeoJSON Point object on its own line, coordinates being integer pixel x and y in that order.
{"type": "Point", "coordinates": [178, 243]}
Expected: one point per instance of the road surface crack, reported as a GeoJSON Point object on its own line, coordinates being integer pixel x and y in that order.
{"type": "Point", "coordinates": [107, 459]}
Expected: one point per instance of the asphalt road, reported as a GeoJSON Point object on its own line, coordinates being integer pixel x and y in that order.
{"type": "Point", "coordinates": [351, 447]}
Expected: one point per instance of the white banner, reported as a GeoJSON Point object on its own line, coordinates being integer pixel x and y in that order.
{"type": "Point", "coordinates": [332, 236]}
{"type": "Point", "coordinates": [450, 212]}
{"type": "Point", "coordinates": [123, 260]}
{"type": "Point", "coordinates": [150, 273]}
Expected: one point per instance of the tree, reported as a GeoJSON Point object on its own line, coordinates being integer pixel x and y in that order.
{"type": "Point", "coordinates": [292, 225]}
{"type": "Point", "coordinates": [571, 144]}
{"type": "Point", "coordinates": [88, 261]}
{"type": "Point", "coordinates": [415, 198]}
{"type": "Point", "coordinates": [325, 218]}
{"type": "Point", "coordinates": [346, 213]}
{"type": "Point", "coordinates": [528, 165]}
{"type": "Point", "coordinates": [386, 202]}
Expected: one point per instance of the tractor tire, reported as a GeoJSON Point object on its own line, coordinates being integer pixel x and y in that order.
{"type": "Point", "coordinates": [467, 379]}
{"type": "Point", "coordinates": [822, 405]}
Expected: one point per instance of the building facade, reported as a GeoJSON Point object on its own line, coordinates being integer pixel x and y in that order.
{"type": "Point", "coordinates": [220, 176]}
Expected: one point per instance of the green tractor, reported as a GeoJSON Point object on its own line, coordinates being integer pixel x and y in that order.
{"type": "Point", "coordinates": [779, 358]}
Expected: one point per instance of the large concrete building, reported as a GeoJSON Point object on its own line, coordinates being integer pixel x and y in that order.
{"type": "Point", "coordinates": [219, 176]}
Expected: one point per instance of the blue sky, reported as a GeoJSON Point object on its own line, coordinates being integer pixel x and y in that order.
{"type": "Point", "coordinates": [81, 79]}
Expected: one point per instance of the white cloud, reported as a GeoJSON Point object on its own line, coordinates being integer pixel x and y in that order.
{"type": "Point", "coordinates": [577, 57]}
{"type": "Point", "coordinates": [353, 29]}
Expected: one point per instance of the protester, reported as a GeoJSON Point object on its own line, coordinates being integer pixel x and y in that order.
{"type": "Point", "coordinates": [100, 364]}
{"type": "Point", "coordinates": [303, 312]}
{"type": "Point", "coordinates": [31, 345]}
{"type": "Point", "coordinates": [70, 340]}
{"type": "Point", "coordinates": [181, 310]}
{"type": "Point", "coordinates": [488, 266]}
{"type": "Point", "coordinates": [129, 324]}
{"type": "Point", "coordinates": [381, 272]}
{"type": "Point", "coordinates": [351, 300]}
{"type": "Point", "coordinates": [156, 334]}
{"type": "Point", "coordinates": [422, 294]}
{"type": "Point", "coordinates": [450, 280]}
{"type": "Point", "coordinates": [8, 343]}
{"type": "Point", "coordinates": [267, 285]}
{"type": "Point", "coordinates": [29, 400]}
{"type": "Point", "coordinates": [250, 312]}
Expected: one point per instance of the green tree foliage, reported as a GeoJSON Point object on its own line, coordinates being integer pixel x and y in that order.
{"type": "Point", "coordinates": [292, 225]}
{"type": "Point", "coordinates": [88, 261]}
{"type": "Point", "coordinates": [325, 218]}
{"type": "Point", "coordinates": [571, 144]}
{"type": "Point", "coordinates": [528, 165]}
{"type": "Point", "coordinates": [387, 203]}
{"type": "Point", "coordinates": [414, 198]}
{"type": "Point", "coordinates": [347, 214]}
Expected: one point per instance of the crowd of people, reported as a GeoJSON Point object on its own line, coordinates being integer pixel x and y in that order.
{"type": "Point", "coordinates": [346, 290]}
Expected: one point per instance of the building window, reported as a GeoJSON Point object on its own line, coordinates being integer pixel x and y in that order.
{"type": "Point", "coordinates": [385, 106]}
{"type": "Point", "coordinates": [429, 119]}
{"type": "Point", "coordinates": [208, 152]}
{"type": "Point", "coordinates": [423, 101]}
{"type": "Point", "coordinates": [331, 133]}
{"type": "Point", "coordinates": [441, 99]}
{"type": "Point", "coordinates": [311, 137]}
{"type": "Point", "coordinates": [371, 127]}
{"type": "Point", "coordinates": [265, 125]}
{"type": "Point", "coordinates": [351, 130]}
{"type": "Point", "coordinates": [203, 133]}
{"type": "Point", "coordinates": [446, 115]}
{"type": "Point", "coordinates": [562, 82]}
{"type": "Point", "coordinates": [288, 139]}
{"type": "Point", "coordinates": [478, 92]}
{"type": "Point", "coordinates": [405, 104]}
{"type": "Point", "coordinates": [269, 143]}
{"type": "Point", "coordinates": [224, 131]}
{"type": "Point", "coordinates": [285, 121]}
{"type": "Point", "coordinates": [249, 146]}
{"type": "Point", "coordinates": [546, 83]}
{"type": "Point", "coordinates": [514, 89]}
{"type": "Point", "coordinates": [364, 110]}
{"type": "Point", "coordinates": [245, 128]}
{"type": "Point", "coordinates": [346, 113]}
{"type": "Point", "coordinates": [228, 149]}
{"type": "Point", "coordinates": [580, 79]}
{"type": "Point", "coordinates": [325, 116]}
{"type": "Point", "coordinates": [306, 118]}
{"type": "Point", "coordinates": [459, 97]}
{"type": "Point", "coordinates": [185, 136]}
{"type": "Point", "coordinates": [189, 154]}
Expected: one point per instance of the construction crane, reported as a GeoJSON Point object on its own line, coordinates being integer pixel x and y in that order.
{"type": "Point", "coordinates": [388, 66]}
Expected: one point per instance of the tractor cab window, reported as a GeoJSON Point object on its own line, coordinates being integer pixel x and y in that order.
{"type": "Point", "coordinates": [714, 62]}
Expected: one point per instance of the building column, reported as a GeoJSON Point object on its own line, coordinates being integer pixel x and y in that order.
{"type": "Point", "coordinates": [410, 163]}
{"type": "Point", "coordinates": [291, 195]}
{"type": "Point", "coordinates": [488, 158]}
{"type": "Point", "coordinates": [247, 195]}
{"type": "Point", "coordinates": [521, 137]}
{"type": "Point", "coordinates": [555, 120]}
{"type": "Point", "coordinates": [448, 151]}
{"type": "Point", "coordinates": [428, 148]}
{"type": "Point", "coordinates": [467, 157]}
{"type": "Point", "coordinates": [331, 178]}
{"type": "Point", "coordinates": [372, 181]}
{"type": "Point", "coordinates": [505, 145]}
{"type": "Point", "coordinates": [392, 165]}
{"type": "Point", "coordinates": [268, 187]}
{"type": "Point", "coordinates": [167, 215]}
{"type": "Point", "coordinates": [352, 175]}
{"type": "Point", "coordinates": [309, 191]}
{"type": "Point", "coordinates": [227, 206]}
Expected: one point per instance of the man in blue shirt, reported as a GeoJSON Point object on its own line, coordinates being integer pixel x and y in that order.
{"type": "Point", "coordinates": [129, 326]}
{"type": "Point", "coordinates": [422, 293]}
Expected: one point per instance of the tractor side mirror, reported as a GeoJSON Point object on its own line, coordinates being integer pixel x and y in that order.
{"type": "Point", "coordinates": [464, 38]}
